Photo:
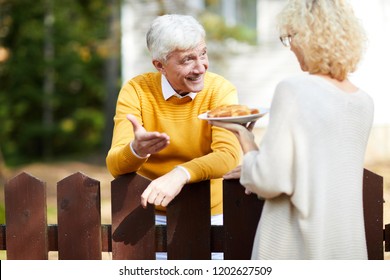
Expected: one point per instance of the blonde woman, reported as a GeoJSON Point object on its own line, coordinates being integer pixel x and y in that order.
{"type": "Point", "coordinates": [309, 165]}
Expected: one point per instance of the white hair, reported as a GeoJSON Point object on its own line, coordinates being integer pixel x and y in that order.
{"type": "Point", "coordinates": [172, 32]}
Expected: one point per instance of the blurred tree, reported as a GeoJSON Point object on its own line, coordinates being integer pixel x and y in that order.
{"type": "Point", "coordinates": [52, 81]}
{"type": "Point", "coordinates": [234, 19]}
{"type": "Point", "coordinates": [48, 79]}
{"type": "Point", "coordinates": [2, 170]}
{"type": "Point", "coordinates": [112, 73]}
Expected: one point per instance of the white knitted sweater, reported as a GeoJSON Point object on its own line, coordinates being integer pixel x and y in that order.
{"type": "Point", "coordinates": [309, 168]}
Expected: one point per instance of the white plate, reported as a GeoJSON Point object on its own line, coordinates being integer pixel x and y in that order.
{"type": "Point", "coordinates": [237, 119]}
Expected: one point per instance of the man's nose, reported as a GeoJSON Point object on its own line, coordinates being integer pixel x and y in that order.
{"type": "Point", "coordinates": [200, 66]}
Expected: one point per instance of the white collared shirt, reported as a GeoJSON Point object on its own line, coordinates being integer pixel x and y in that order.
{"type": "Point", "coordinates": [168, 91]}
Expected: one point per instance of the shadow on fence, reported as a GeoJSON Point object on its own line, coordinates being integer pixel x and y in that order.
{"type": "Point", "coordinates": [133, 233]}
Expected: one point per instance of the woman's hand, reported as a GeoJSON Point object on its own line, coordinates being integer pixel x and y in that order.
{"type": "Point", "coordinates": [235, 174]}
{"type": "Point", "coordinates": [242, 132]}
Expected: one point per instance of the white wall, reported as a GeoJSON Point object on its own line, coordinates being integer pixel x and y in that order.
{"type": "Point", "coordinates": [373, 74]}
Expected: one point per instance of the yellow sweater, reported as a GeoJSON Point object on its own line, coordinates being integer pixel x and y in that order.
{"type": "Point", "coordinates": [206, 152]}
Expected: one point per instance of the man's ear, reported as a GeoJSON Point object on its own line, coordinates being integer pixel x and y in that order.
{"type": "Point", "coordinates": [159, 66]}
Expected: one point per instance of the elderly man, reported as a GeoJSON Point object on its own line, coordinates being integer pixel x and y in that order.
{"type": "Point", "coordinates": [157, 131]}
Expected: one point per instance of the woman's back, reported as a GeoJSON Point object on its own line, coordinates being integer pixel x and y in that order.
{"type": "Point", "coordinates": [318, 213]}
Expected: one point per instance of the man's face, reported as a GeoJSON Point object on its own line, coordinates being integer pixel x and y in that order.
{"type": "Point", "coordinates": [185, 70]}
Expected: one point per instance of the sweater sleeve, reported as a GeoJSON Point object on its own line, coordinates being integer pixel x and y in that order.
{"type": "Point", "coordinates": [120, 159]}
{"type": "Point", "coordinates": [269, 171]}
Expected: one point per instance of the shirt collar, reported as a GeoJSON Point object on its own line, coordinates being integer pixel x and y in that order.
{"type": "Point", "coordinates": [168, 91]}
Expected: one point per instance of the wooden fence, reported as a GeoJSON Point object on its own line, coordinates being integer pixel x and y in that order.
{"type": "Point", "coordinates": [133, 234]}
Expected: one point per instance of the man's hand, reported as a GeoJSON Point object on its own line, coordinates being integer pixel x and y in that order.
{"type": "Point", "coordinates": [164, 189]}
{"type": "Point", "coordinates": [146, 143]}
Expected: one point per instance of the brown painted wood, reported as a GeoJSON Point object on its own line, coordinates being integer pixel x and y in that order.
{"type": "Point", "coordinates": [217, 238]}
{"type": "Point", "coordinates": [25, 209]}
{"type": "Point", "coordinates": [106, 238]}
{"type": "Point", "coordinates": [133, 231]}
{"type": "Point", "coordinates": [386, 237]}
{"type": "Point", "coordinates": [373, 214]}
{"type": "Point", "coordinates": [241, 217]}
{"type": "Point", "coordinates": [161, 238]}
{"type": "Point", "coordinates": [26, 221]}
{"type": "Point", "coordinates": [79, 218]}
{"type": "Point", "coordinates": [3, 243]}
{"type": "Point", "coordinates": [188, 223]}
{"type": "Point", "coordinates": [52, 232]}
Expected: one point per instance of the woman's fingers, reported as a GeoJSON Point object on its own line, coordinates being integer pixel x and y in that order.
{"type": "Point", "coordinates": [233, 174]}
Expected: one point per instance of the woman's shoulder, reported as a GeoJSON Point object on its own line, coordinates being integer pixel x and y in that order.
{"type": "Point", "coordinates": [297, 79]}
{"type": "Point", "coordinates": [294, 85]}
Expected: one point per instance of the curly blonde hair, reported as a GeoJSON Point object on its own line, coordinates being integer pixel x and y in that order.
{"type": "Point", "coordinates": [328, 34]}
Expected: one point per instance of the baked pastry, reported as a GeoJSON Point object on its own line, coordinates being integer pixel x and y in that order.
{"type": "Point", "coordinates": [231, 111]}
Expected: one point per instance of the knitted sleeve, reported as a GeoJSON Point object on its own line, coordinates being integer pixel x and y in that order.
{"type": "Point", "coordinates": [269, 171]}
{"type": "Point", "coordinates": [120, 159]}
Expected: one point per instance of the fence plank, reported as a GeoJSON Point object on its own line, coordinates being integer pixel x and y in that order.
{"type": "Point", "coordinates": [386, 237]}
{"type": "Point", "coordinates": [161, 238]}
{"type": "Point", "coordinates": [106, 238]}
{"type": "Point", "coordinates": [188, 223]}
{"type": "Point", "coordinates": [241, 217]}
{"type": "Point", "coordinates": [79, 218]}
{"type": "Point", "coordinates": [3, 244]}
{"type": "Point", "coordinates": [52, 233]}
{"type": "Point", "coordinates": [373, 214]}
{"type": "Point", "coordinates": [25, 211]}
{"type": "Point", "coordinates": [133, 231]}
{"type": "Point", "coordinates": [217, 238]}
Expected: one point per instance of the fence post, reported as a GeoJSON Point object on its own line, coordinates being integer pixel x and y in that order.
{"type": "Point", "coordinates": [373, 214]}
{"type": "Point", "coordinates": [79, 218]}
{"type": "Point", "coordinates": [25, 212]}
{"type": "Point", "coordinates": [188, 223]}
{"type": "Point", "coordinates": [241, 216]}
{"type": "Point", "coordinates": [133, 227]}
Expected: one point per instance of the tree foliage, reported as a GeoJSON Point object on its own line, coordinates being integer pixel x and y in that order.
{"type": "Point", "coordinates": [77, 32]}
{"type": "Point", "coordinates": [60, 72]}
